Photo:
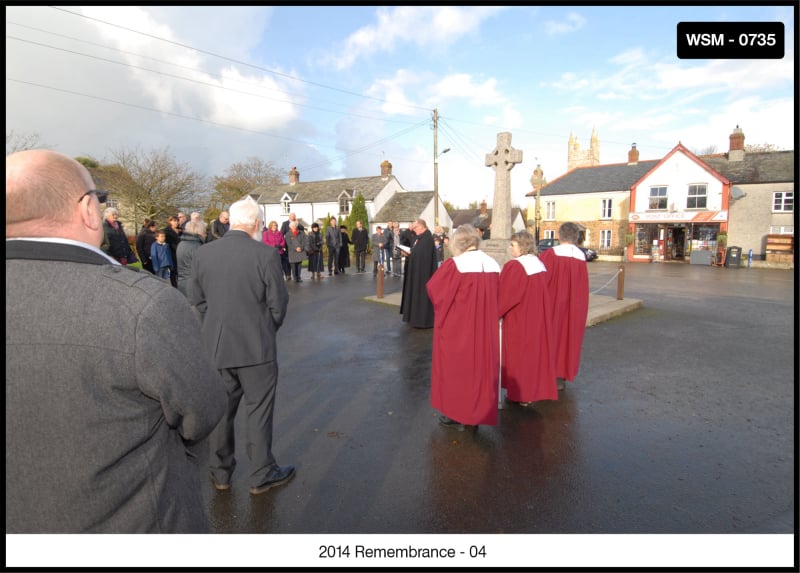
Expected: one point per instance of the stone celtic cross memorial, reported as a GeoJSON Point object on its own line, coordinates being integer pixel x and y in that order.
{"type": "Point", "coordinates": [502, 159]}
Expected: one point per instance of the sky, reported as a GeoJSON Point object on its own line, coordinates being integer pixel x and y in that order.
{"type": "Point", "coordinates": [334, 91]}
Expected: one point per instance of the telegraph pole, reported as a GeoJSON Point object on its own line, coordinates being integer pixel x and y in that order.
{"type": "Point", "coordinates": [435, 168]}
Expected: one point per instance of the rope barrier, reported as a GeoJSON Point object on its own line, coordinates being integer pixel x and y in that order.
{"type": "Point", "coordinates": [616, 274]}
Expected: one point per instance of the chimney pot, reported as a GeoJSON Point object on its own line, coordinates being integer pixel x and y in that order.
{"type": "Point", "coordinates": [633, 155]}
{"type": "Point", "coordinates": [736, 151]}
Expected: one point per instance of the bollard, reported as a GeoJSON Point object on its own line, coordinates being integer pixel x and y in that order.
{"type": "Point", "coordinates": [500, 390]}
{"type": "Point", "coordinates": [621, 283]}
{"type": "Point", "coordinates": [380, 281]}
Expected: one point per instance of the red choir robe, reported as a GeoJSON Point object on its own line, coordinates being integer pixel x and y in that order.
{"type": "Point", "coordinates": [568, 279]}
{"type": "Point", "coordinates": [466, 338]}
{"type": "Point", "coordinates": [528, 358]}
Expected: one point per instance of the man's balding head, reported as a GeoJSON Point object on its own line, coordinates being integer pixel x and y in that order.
{"type": "Point", "coordinates": [46, 197]}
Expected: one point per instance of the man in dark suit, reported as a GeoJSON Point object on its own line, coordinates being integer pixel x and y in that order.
{"type": "Point", "coordinates": [102, 396]}
{"type": "Point", "coordinates": [239, 291]}
{"type": "Point", "coordinates": [415, 305]}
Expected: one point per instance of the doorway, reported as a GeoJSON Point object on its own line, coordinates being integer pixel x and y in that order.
{"type": "Point", "coordinates": [675, 244]}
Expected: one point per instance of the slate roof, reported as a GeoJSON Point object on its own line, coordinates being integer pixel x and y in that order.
{"type": "Point", "coordinates": [404, 206]}
{"type": "Point", "coordinates": [615, 177]}
{"type": "Point", "coordinates": [762, 167]}
{"type": "Point", "coordinates": [324, 191]}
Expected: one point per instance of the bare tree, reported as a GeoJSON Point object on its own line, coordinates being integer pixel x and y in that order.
{"type": "Point", "coordinates": [240, 179]}
{"type": "Point", "coordinates": [22, 141]}
{"type": "Point", "coordinates": [708, 150]}
{"type": "Point", "coordinates": [760, 147]}
{"type": "Point", "coordinates": [150, 184]}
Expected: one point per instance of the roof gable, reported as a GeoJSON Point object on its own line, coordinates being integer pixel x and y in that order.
{"type": "Point", "coordinates": [681, 149]}
{"type": "Point", "coordinates": [404, 206]}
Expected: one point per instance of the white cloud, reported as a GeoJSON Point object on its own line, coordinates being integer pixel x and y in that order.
{"type": "Point", "coordinates": [573, 22]}
{"type": "Point", "coordinates": [420, 26]}
{"type": "Point", "coordinates": [464, 86]}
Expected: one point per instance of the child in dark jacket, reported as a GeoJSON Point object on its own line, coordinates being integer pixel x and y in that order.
{"type": "Point", "coordinates": [161, 256]}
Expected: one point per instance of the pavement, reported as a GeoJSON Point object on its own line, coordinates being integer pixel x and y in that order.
{"type": "Point", "coordinates": [601, 307]}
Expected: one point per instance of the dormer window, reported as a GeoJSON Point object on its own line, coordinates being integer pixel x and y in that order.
{"type": "Point", "coordinates": [345, 201]}
{"type": "Point", "coordinates": [286, 206]}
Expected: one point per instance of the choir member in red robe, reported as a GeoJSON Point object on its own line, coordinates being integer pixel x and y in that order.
{"type": "Point", "coordinates": [466, 334]}
{"type": "Point", "coordinates": [528, 350]}
{"type": "Point", "coordinates": [568, 279]}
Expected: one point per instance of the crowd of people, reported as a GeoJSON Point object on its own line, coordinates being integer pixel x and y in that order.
{"type": "Point", "coordinates": [148, 400]}
{"type": "Point", "coordinates": [294, 243]}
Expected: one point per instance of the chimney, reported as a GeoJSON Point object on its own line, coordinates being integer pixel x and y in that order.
{"type": "Point", "coordinates": [483, 208]}
{"type": "Point", "coordinates": [736, 151]}
{"type": "Point", "coordinates": [294, 176]}
{"type": "Point", "coordinates": [633, 155]}
{"type": "Point", "coordinates": [386, 169]}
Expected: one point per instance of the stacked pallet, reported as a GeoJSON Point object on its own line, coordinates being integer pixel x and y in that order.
{"type": "Point", "coordinates": [780, 248]}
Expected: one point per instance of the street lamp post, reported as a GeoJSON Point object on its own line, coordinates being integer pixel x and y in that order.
{"type": "Point", "coordinates": [538, 182]}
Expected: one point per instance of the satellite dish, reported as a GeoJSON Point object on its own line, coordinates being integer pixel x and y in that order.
{"type": "Point", "coordinates": [737, 193]}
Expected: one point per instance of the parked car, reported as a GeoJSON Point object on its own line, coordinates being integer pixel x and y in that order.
{"type": "Point", "coordinates": [545, 244]}
{"type": "Point", "coordinates": [591, 254]}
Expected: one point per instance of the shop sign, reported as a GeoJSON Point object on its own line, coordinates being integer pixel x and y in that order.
{"type": "Point", "coordinates": [677, 217]}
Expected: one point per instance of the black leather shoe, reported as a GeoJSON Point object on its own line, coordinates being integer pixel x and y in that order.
{"type": "Point", "coordinates": [278, 476]}
{"type": "Point", "coordinates": [450, 423]}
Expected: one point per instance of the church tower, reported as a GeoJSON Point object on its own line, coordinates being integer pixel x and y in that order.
{"type": "Point", "coordinates": [586, 158]}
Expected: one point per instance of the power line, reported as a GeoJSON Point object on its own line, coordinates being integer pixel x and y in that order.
{"type": "Point", "coordinates": [240, 62]}
{"type": "Point", "coordinates": [166, 74]}
{"type": "Point", "coordinates": [214, 123]}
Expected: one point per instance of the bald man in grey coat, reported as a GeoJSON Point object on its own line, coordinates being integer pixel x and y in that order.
{"type": "Point", "coordinates": [107, 382]}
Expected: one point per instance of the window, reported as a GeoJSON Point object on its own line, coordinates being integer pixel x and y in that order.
{"type": "Point", "coordinates": [605, 238]}
{"type": "Point", "coordinates": [781, 230]}
{"type": "Point", "coordinates": [696, 199]}
{"type": "Point", "coordinates": [550, 211]}
{"type": "Point", "coordinates": [344, 205]}
{"type": "Point", "coordinates": [783, 201]}
{"type": "Point", "coordinates": [112, 203]}
{"type": "Point", "coordinates": [286, 206]}
{"type": "Point", "coordinates": [658, 198]}
{"type": "Point", "coordinates": [549, 234]}
{"type": "Point", "coordinates": [643, 239]}
{"type": "Point", "coordinates": [605, 210]}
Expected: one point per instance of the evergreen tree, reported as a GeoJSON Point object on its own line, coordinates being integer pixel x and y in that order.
{"type": "Point", "coordinates": [358, 212]}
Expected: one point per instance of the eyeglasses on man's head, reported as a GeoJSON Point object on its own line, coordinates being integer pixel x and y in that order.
{"type": "Point", "coordinates": [102, 196]}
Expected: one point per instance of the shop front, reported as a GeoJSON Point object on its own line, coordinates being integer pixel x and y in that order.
{"type": "Point", "coordinates": [668, 237]}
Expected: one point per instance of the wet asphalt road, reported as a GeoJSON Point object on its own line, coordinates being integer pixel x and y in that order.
{"type": "Point", "coordinates": [681, 420]}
